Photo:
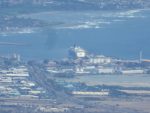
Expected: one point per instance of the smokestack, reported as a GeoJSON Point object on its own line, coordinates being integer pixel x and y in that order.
{"type": "Point", "coordinates": [141, 56]}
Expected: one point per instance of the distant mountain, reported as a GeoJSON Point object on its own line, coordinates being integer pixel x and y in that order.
{"type": "Point", "coordinates": [80, 4]}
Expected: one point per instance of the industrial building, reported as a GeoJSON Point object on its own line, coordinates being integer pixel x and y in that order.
{"type": "Point", "coordinates": [81, 62]}
{"type": "Point", "coordinates": [77, 52]}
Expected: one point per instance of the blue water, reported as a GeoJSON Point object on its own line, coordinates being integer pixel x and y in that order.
{"type": "Point", "coordinates": [124, 38]}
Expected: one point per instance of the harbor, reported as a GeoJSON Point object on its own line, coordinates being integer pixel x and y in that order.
{"type": "Point", "coordinates": [81, 62]}
{"type": "Point", "coordinates": [74, 56]}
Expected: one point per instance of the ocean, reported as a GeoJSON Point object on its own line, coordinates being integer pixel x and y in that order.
{"type": "Point", "coordinates": [119, 34]}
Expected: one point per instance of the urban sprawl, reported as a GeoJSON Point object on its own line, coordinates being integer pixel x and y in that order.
{"type": "Point", "coordinates": [36, 84]}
